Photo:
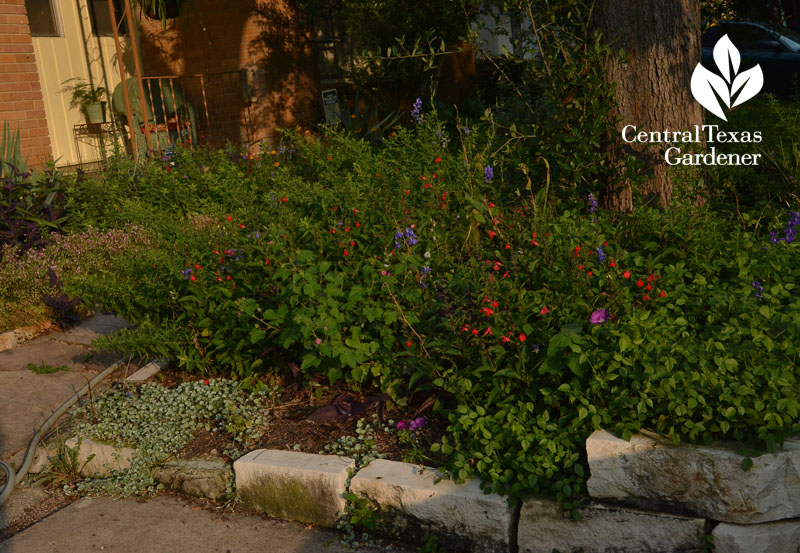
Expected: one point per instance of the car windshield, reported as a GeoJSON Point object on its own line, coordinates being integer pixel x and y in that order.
{"type": "Point", "coordinates": [789, 36]}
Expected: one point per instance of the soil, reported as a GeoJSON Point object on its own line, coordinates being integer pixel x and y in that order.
{"type": "Point", "coordinates": [289, 427]}
{"type": "Point", "coordinates": [36, 513]}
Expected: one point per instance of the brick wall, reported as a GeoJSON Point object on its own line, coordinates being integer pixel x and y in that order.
{"type": "Point", "coordinates": [223, 37]}
{"type": "Point", "coordinates": [21, 101]}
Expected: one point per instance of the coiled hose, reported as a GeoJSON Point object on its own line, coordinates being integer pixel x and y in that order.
{"type": "Point", "coordinates": [11, 477]}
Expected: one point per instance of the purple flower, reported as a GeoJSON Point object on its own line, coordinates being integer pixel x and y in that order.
{"type": "Point", "coordinates": [417, 423]}
{"type": "Point", "coordinates": [592, 203]}
{"type": "Point", "coordinates": [759, 290]}
{"type": "Point", "coordinates": [488, 173]}
{"type": "Point", "coordinates": [402, 425]}
{"type": "Point", "coordinates": [600, 255]}
{"type": "Point", "coordinates": [416, 113]}
{"type": "Point", "coordinates": [592, 207]}
{"type": "Point", "coordinates": [599, 317]}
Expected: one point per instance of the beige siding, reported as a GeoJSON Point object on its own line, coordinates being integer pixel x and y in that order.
{"type": "Point", "coordinates": [76, 53]}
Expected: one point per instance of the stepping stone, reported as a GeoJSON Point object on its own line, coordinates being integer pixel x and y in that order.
{"type": "Point", "coordinates": [90, 329]}
{"type": "Point", "coordinates": [43, 349]}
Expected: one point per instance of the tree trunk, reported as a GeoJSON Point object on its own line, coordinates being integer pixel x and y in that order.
{"type": "Point", "coordinates": [661, 40]}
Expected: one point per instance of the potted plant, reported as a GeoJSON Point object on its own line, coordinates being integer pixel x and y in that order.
{"type": "Point", "coordinates": [163, 9]}
{"type": "Point", "coordinates": [88, 98]}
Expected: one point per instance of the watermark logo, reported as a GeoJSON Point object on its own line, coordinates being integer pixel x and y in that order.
{"type": "Point", "coordinates": [709, 88]}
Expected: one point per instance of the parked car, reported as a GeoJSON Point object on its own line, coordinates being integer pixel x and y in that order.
{"type": "Point", "coordinates": [775, 48]}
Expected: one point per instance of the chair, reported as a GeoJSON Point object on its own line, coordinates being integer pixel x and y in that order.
{"type": "Point", "coordinates": [170, 116]}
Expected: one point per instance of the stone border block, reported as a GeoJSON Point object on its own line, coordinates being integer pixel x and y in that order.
{"type": "Point", "coordinates": [292, 485]}
{"type": "Point", "coordinates": [145, 372]}
{"type": "Point", "coordinates": [708, 481]}
{"type": "Point", "coordinates": [770, 537]}
{"type": "Point", "coordinates": [197, 477]}
{"type": "Point", "coordinates": [416, 503]}
{"type": "Point", "coordinates": [544, 526]}
{"type": "Point", "coordinates": [107, 458]}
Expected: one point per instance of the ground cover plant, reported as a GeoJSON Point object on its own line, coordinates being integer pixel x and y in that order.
{"type": "Point", "coordinates": [413, 270]}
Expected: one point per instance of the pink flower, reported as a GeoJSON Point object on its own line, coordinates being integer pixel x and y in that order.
{"type": "Point", "coordinates": [402, 425]}
{"type": "Point", "coordinates": [318, 341]}
{"type": "Point", "coordinates": [599, 317]}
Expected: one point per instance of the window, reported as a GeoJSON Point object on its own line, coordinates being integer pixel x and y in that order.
{"type": "Point", "coordinates": [42, 18]}
{"type": "Point", "coordinates": [101, 19]}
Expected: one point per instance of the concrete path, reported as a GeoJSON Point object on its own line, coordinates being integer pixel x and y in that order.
{"type": "Point", "coordinates": [167, 524]}
{"type": "Point", "coordinates": [28, 398]}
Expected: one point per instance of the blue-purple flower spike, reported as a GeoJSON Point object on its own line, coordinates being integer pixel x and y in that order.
{"type": "Point", "coordinates": [416, 113]}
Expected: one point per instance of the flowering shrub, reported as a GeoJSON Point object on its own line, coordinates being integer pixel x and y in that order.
{"type": "Point", "coordinates": [418, 270]}
{"type": "Point", "coordinates": [82, 256]}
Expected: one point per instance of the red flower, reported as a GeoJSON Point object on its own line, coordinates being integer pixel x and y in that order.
{"type": "Point", "coordinates": [346, 252]}
{"type": "Point", "coordinates": [491, 234]}
{"type": "Point", "coordinates": [645, 297]}
{"type": "Point", "coordinates": [206, 382]}
{"type": "Point", "coordinates": [626, 274]}
{"type": "Point", "coordinates": [475, 331]}
{"type": "Point", "coordinates": [612, 263]}
{"type": "Point", "coordinates": [544, 311]}
{"type": "Point", "coordinates": [648, 287]}
{"type": "Point", "coordinates": [408, 343]}
{"type": "Point", "coordinates": [663, 294]}
{"type": "Point", "coordinates": [589, 273]}
{"type": "Point", "coordinates": [230, 218]}
{"type": "Point", "coordinates": [522, 337]}
{"type": "Point", "coordinates": [580, 267]}
{"type": "Point", "coordinates": [488, 331]}
{"type": "Point", "coordinates": [639, 283]}
{"type": "Point", "coordinates": [577, 251]}
{"type": "Point", "coordinates": [438, 159]}
{"type": "Point", "coordinates": [505, 339]}
{"type": "Point", "coordinates": [352, 243]}
{"type": "Point", "coordinates": [192, 278]}
{"type": "Point", "coordinates": [284, 199]}
{"type": "Point", "coordinates": [405, 191]}
{"type": "Point", "coordinates": [494, 304]}
{"type": "Point", "coordinates": [358, 224]}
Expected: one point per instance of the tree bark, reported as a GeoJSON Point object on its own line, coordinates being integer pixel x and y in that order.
{"type": "Point", "coordinates": [661, 40]}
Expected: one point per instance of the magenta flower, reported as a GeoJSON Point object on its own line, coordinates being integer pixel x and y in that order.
{"type": "Point", "coordinates": [402, 425]}
{"type": "Point", "coordinates": [599, 317]}
{"type": "Point", "coordinates": [417, 423]}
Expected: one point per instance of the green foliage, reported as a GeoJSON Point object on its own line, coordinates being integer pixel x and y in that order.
{"type": "Point", "coordinates": [403, 269]}
{"type": "Point", "coordinates": [361, 447]}
{"type": "Point", "coordinates": [776, 179]}
{"type": "Point", "coordinates": [159, 422]}
{"type": "Point", "coordinates": [11, 160]}
{"type": "Point", "coordinates": [44, 368]}
{"type": "Point", "coordinates": [64, 467]}
{"type": "Point", "coordinates": [83, 93]}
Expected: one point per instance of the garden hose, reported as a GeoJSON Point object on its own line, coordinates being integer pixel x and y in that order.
{"type": "Point", "coordinates": [11, 477]}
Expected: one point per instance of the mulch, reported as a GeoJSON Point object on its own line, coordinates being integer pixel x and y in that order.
{"type": "Point", "coordinates": [289, 427]}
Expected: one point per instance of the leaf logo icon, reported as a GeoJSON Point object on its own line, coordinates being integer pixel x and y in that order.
{"type": "Point", "coordinates": [709, 88]}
